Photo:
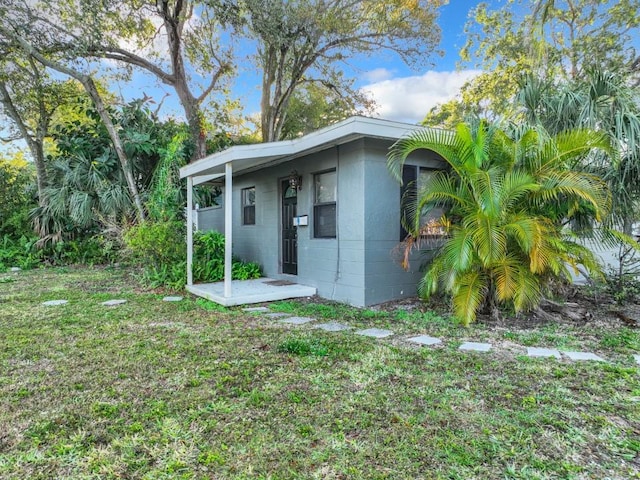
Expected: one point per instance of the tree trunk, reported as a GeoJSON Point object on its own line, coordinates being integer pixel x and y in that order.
{"type": "Point", "coordinates": [194, 118]}
{"type": "Point", "coordinates": [174, 16]}
{"type": "Point", "coordinates": [90, 87]}
{"type": "Point", "coordinates": [37, 151]}
{"type": "Point", "coordinates": [266, 109]}
{"type": "Point", "coordinates": [35, 144]}
{"type": "Point", "coordinates": [573, 311]}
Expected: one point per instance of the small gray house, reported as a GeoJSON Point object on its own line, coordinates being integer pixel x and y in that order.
{"type": "Point", "coordinates": [320, 214]}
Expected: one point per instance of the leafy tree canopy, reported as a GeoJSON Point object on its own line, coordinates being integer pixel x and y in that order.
{"type": "Point", "coordinates": [16, 194]}
{"type": "Point", "coordinates": [305, 41]}
{"type": "Point", "coordinates": [552, 39]}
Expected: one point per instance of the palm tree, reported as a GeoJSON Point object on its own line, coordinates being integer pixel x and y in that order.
{"type": "Point", "coordinates": [609, 103]}
{"type": "Point", "coordinates": [507, 197]}
{"type": "Point", "coordinates": [605, 102]}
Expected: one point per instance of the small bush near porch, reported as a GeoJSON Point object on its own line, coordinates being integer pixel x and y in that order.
{"type": "Point", "coordinates": [152, 389]}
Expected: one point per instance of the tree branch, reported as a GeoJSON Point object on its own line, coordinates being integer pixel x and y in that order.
{"type": "Point", "coordinates": [13, 113]}
{"type": "Point", "coordinates": [119, 54]}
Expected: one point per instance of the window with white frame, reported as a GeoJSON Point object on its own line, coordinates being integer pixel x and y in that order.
{"type": "Point", "coordinates": [324, 204]}
{"type": "Point", "coordinates": [249, 206]}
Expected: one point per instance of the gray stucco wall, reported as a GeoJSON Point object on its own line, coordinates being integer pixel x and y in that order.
{"type": "Point", "coordinates": [385, 278]}
{"type": "Point", "coordinates": [211, 218]}
{"type": "Point", "coordinates": [356, 267]}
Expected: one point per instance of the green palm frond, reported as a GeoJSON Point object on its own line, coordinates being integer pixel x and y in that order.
{"type": "Point", "coordinates": [528, 293]}
{"type": "Point", "coordinates": [577, 254]}
{"type": "Point", "coordinates": [442, 142]}
{"type": "Point", "coordinates": [572, 145]}
{"type": "Point", "coordinates": [578, 185]}
{"type": "Point", "coordinates": [81, 208]}
{"type": "Point", "coordinates": [526, 230]}
{"type": "Point", "coordinates": [516, 185]}
{"type": "Point", "coordinates": [469, 295]}
{"type": "Point", "coordinates": [435, 275]}
{"type": "Point", "coordinates": [506, 274]}
{"type": "Point", "coordinates": [489, 239]}
{"type": "Point", "coordinates": [458, 251]}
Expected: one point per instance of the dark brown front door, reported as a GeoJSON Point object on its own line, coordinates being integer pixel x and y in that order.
{"type": "Point", "coordinates": [289, 232]}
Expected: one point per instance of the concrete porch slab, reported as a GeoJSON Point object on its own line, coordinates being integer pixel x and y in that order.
{"type": "Point", "coordinates": [245, 292]}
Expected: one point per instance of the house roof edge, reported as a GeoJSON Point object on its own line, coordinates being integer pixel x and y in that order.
{"type": "Point", "coordinates": [350, 128]}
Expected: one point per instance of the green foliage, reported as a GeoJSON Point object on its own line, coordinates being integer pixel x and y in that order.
{"type": "Point", "coordinates": [157, 243]}
{"type": "Point", "coordinates": [624, 289]}
{"type": "Point", "coordinates": [161, 248]}
{"type": "Point", "coordinates": [293, 51]}
{"type": "Point", "coordinates": [25, 252]}
{"type": "Point", "coordinates": [166, 275]}
{"type": "Point", "coordinates": [165, 196]}
{"type": "Point", "coordinates": [16, 196]}
{"type": "Point", "coordinates": [315, 106]}
{"type": "Point", "coordinates": [507, 197]}
{"type": "Point", "coordinates": [208, 265]}
{"type": "Point", "coordinates": [605, 102]}
{"type": "Point", "coordinates": [87, 188]}
{"type": "Point", "coordinates": [555, 39]}
{"type": "Point", "coordinates": [17, 253]}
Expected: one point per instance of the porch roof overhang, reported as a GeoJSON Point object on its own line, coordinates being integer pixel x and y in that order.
{"type": "Point", "coordinates": [246, 158]}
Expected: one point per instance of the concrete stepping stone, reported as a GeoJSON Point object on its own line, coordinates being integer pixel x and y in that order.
{"type": "Point", "coordinates": [333, 327]}
{"type": "Point", "coordinates": [15, 269]}
{"type": "Point", "coordinates": [172, 299]}
{"type": "Point", "coordinates": [297, 320]}
{"type": "Point", "coordinates": [425, 340]}
{"type": "Point", "coordinates": [54, 303]}
{"type": "Point", "coordinates": [637, 359]}
{"type": "Point", "coordinates": [276, 315]}
{"type": "Point", "coordinates": [583, 356]}
{"type": "Point", "coordinates": [375, 333]}
{"type": "Point", "coordinates": [543, 352]}
{"type": "Point", "coordinates": [255, 309]}
{"type": "Point", "coordinates": [113, 303]}
{"type": "Point", "coordinates": [475, 347]}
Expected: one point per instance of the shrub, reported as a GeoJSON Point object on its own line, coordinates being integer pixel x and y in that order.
{"type": "Point", "coordinates": [25, 253]}
{"type": "Point", "coordinates": [157, 243]}
{"type": "Point", "coordinates": [88, 251]}
{"type": "Point", "coordinates": [161, 248]}
{"type": "Point", "coordinates": [507, 196]}
{"type": "Point", "coordinates": [208, 264]}
{"type": "Point", "coordinates": [19, 252]}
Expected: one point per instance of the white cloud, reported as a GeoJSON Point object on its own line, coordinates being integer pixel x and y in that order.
{"type": "Point", "coordinates": [409, 99]}
{"type": "Point", "coordinates": [377, 75]}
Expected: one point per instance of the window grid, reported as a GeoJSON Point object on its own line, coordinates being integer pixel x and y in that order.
{"type": "Point", "coordinates": [249, 206]}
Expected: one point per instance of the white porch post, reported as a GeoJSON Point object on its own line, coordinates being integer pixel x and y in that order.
{"type": "Point", "coordinates": [189, 230]}
{"type": "Point", "coordinates": [228, 228]}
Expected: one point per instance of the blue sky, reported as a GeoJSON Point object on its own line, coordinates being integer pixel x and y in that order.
{"type": "Point", "coordinates": [400, 92]}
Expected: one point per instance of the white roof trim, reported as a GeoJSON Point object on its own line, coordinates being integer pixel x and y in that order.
{"type": "Point", "coordinates": [244, 157]}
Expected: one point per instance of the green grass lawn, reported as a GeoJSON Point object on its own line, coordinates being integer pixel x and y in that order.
{"type": "Point", "coordinates": [155, 390]}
